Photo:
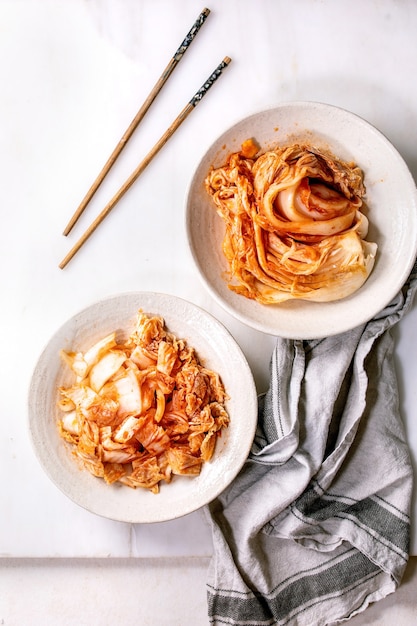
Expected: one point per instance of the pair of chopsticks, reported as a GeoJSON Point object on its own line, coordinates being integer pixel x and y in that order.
{"type": "Point", "coordinates": [129, 132]}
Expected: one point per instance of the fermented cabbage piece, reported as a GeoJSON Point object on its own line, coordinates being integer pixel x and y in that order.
{"type": "Point", "coordinates": [141, 411]}
{"type": "Point", "coordinates": [295, 224]}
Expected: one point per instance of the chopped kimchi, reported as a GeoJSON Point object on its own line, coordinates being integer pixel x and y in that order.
{"type": "Point", "coordinates": [143, 410]}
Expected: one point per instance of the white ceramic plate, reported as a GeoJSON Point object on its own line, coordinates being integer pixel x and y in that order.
{"type": "Point", "coordinates": [391, 196]}
{"type": "Point", "coordinates": [217, 350]}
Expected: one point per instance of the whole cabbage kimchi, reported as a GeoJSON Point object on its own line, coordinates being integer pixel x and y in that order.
{"type": "Point", "coordinates": [143, 410]}
{"type": "Point", "coordinates": [295, 224]}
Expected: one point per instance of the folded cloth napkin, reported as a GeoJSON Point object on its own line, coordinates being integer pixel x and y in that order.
{"type": "Point", "coordinates": [316, 525]}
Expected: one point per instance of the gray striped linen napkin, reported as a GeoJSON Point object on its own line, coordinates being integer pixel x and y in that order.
{"type": "Point", "coordinates": [316, 525]}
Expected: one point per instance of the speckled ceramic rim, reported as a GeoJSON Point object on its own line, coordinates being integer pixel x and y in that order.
{"type": "Point", "coordinates": [217, 349]}
{"type": "Point", "coordinates": [391, 196]}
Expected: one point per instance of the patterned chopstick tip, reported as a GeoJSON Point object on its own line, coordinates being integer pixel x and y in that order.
{"type": "Point", "coordinates": [210, 81]}
{"type": "Point", "coordinates": [191, 34]}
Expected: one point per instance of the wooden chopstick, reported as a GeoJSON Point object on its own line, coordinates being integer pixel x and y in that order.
{"type": "Point", "coordinates": [139, 117]}
{"type": "Point", "coordinates": [140, 168]}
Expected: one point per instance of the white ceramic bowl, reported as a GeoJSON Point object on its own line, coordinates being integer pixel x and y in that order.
{"type": "Point", "coordinates": [391, 196]}
{"type": "Point", "coordinates": [214, 346]}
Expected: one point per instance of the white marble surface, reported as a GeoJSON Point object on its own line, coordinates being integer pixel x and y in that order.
{"type": "Point", "coordinates": [104, 592]}
{"type": "Point", "coordinates": [73, 74]}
